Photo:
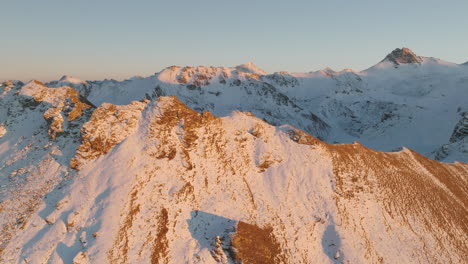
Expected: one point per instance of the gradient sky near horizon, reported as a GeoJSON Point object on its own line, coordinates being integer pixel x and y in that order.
{"type": "Point", "coordinates": [97, 39]}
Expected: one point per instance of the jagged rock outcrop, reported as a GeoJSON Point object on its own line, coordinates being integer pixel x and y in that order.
{"type": "Point", "coordinates": [108, 126]}
{"type": "Point", "coordinates": [460, 131]}
{"type": "Point", "coordinates": [457, 148]}
{"type": "Point", "coordinates": [63, 101]}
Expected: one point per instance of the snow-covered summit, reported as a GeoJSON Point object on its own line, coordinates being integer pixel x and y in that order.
{"type": "Point", "coordinates": [71, 80]}
{"type": "Point", "coordinates": [328, 69]}
{"type": "Point", "coordinates": [250, 67]}
{"type": "Point", "coordinates": [403, 63]}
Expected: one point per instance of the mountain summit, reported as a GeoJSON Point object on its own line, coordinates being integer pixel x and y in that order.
{"type": "Point", "coordinates": [402, 56]}
{"type": "Point", "coordinates": [249, 67]}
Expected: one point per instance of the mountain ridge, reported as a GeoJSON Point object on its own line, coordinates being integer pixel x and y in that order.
{"type": "Point", "coordinates": [337, 107]}
{"type": "Point", "coordinates": [228, 165]}
{"type": "Point", "coordinates": [205, 179]}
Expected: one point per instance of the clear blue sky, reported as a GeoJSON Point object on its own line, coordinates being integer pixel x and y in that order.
{"type": "Point", "coordinates": [96, 39]}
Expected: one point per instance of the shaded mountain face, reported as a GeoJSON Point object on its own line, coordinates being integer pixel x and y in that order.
{"type": "Point", "coordinates": [461, 129]}
{"type": "Point", "coordinates": [457, 147]}
{"type": "Point", "coordinates": [403, 56]}
{"type": "Point", "coordinates": [139, 171]}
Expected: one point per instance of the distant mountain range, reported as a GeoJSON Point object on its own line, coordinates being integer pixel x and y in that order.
{"type": "Point", "coordinates": [404, 100]}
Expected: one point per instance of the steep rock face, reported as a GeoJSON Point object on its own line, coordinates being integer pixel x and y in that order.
{"type": "Point", "coordinates": [460, 131]}
{"type": "Point", "coordinates": [188, 187]}
{"type": "Point", "coordinates": [457, 148]}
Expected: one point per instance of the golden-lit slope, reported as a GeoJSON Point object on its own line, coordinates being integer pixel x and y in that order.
{"type": "Point", "coordinates": [175, 186]}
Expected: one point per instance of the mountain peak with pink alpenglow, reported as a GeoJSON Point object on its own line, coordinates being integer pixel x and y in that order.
{"type": "Point", "coordinates": [403, 56]}
{"type": "Point", "coordinates": [250, 67]}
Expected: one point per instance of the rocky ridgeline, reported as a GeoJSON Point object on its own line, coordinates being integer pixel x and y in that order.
{"type": "Point", "coordinates": [63, 101]}
{"type": "Point", "coordinates": [108, 126]}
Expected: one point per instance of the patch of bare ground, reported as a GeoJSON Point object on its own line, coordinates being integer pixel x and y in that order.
{"type": "Point", "coordinates": [252, 244]}
{"type": "Point", "coordinates": [160, 245]}
{"type": "Point", "coordinates": [175, 113]}
{"type": "Point", "coordinates": [119, 252]}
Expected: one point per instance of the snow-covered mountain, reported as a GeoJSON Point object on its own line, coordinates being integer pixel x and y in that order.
{"type": "Point", "coordinates": [404, 100]}
{"type": "Point", "coordinates": [138, 172]}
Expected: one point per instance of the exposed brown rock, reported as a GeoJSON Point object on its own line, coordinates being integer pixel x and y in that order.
{"type": "Point", "coordinates": [61, 99]}
{"type": "Point", "coordinates": [403, 56]}
{"type": "Point", "coordinates": [109, 125]}
{"type": "Point", "coordinates": [160, 244]}
{"type": "Point", "coordinates": [256, 245]}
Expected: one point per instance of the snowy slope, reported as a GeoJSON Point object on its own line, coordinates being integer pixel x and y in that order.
{"type": "Point", "coordinates": [176, 186]}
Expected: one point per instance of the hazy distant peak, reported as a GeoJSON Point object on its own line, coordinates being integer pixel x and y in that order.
{"type": "Point", "coordinates": [329, 70]}
{"type": "Point", "coordinates": [403, 56]}
{"type": "Point", "coordinates": [347, 70]}
{"type": "Point", "coordinates": [466, 63]}
{"type": "Point", "coordinates": [250, 67]}
{"type": "Point", "coordinates": [136, 77]}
